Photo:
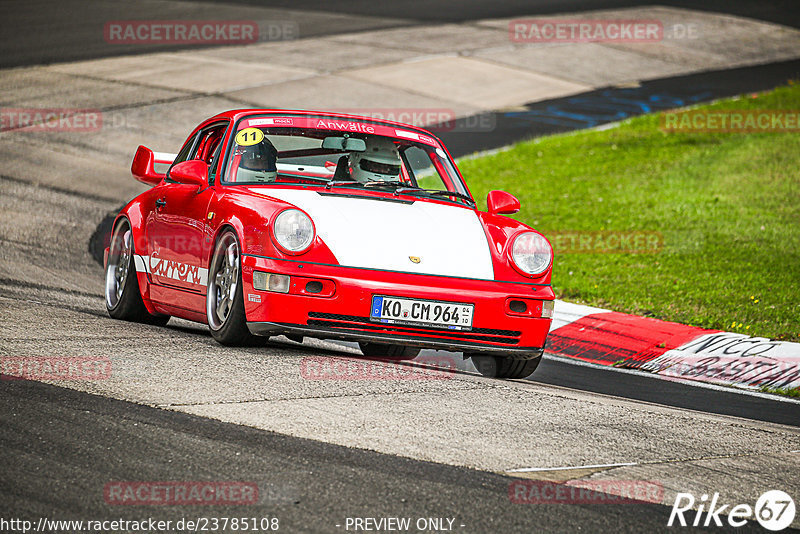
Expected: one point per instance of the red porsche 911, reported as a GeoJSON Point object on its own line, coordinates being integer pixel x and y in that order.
{"type": "Point", "coordinates": [274, 222]}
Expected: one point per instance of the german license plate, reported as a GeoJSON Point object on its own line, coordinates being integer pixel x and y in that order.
{"type": "Point", "coordinates": [397, 310]}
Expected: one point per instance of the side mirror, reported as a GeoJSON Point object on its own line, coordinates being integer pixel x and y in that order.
{"type": "Point", "coordinates": [502, 203]}
{"type": "Point", "coordinates": [192, 172]}
{"type": "Point", "coordinates": [143, 166]}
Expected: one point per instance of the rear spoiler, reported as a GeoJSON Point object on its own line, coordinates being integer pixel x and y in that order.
{"type": "Point", "coordinates": [164, 157]}
{"type": "Point", "coordinates": [144, 162]}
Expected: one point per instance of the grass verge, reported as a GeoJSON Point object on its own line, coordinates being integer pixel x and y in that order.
{"type": "Point", "coordinates": [725, 205]}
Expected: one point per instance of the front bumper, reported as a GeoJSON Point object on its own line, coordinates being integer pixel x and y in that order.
{"type": "Point", "coordinates": [344, 314]}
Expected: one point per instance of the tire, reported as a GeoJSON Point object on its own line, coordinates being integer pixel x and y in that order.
{"type": "Point", "coordinates": [392, 352]}
{"type": "Point", "coordinates": [224, 297]}
{"type": "Point", "coordinates": [503, 367]}
{"type": "Point", "coordinates": [122, 294]}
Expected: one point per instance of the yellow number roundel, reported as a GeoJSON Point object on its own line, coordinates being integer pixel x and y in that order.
{"type": "Point", "coordinates": [249, 136]}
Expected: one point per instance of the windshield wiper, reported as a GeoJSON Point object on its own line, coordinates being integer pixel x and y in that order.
{"type": "Point", "coordinates": [381, 183]}
{"type": "Point", "coordinates": [434, 192]}
{"type": "Point", "coordinates": [353, 183]}
{"type": "Point", "coordinates": [399, 187]}
{"type": "Point", "coordinates": [302, 177]}
{"type": "Point", "coordinates": [336, 183]}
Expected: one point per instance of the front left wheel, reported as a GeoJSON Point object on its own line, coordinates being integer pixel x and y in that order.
{"type": "Point", "coordinates": [225, 298]}
{"type": "Point", "coordinates": [390, 352]}
{"type": "Point", "coordinates": [504, 367]}
{"type": "Point", "coordinates": [123, 297]}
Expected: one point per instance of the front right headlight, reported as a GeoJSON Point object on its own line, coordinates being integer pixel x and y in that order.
{"type": "Point", "coordinates": [531, 253]}
{"type": "Point", "coordinates": [293, 231]}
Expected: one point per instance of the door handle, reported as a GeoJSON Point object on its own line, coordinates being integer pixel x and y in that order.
{"type": "Point", "coordinates": [160, 203]}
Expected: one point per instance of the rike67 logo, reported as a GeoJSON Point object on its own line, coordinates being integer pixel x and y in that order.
{"type": "Point", "coordinates": [774, 510]}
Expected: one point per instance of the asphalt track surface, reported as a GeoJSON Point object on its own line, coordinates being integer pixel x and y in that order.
{"type": "Point", "coordinates": [52, 471]}
{"type": "Point", "coordinates": [41, 32]}
{"type": "Point", "coordinates": [309, 486]}
{"type": "Point", "coordinates": [60, 446]}
{"type": "Point", "coordinates": [779, 11]}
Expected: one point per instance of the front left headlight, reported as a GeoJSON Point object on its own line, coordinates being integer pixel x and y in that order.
{"type": "Point", "coordinates": [293, 231]}
{"type": "Point", "coordinates": [531, 253]}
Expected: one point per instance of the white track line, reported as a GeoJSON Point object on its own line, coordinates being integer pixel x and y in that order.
{"type": "Point", "coordinates": [577, 467]}
{"type": "Point", "coordinates": [535, 469]}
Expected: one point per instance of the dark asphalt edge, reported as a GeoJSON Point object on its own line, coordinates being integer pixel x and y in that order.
{"type": "Point", "coordinates": [328, 460]}
{"type": "Point", "coordinates": [463, 11]}
{"type": "Point", "coordinates": [651, 388]}
{"type": "Point", "coordinates": [206, 427]}
{"type": "Point", "coordinates": [406, 14]}
{"type": "Point", "coordinates": [497, 129]}
{"type": "Point", "coordinates": [395, 482]}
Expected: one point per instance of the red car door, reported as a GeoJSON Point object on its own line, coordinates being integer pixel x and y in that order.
{"type": "Point", "coordinates": [177, 237]}
{"type": "Point", "coordinates": [177, 231]}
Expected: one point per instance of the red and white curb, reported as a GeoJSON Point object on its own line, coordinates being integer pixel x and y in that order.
{"type": "Point", "coordinates": [672, 350]}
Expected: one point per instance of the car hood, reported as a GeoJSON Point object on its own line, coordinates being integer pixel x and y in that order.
{"type": "Point", "coordinates": [365, 231]}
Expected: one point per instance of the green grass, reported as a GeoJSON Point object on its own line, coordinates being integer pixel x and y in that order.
{"type": "Point", "coordinates": [727, 206]}
{"type": "Point", "coordinates": [781, 391]}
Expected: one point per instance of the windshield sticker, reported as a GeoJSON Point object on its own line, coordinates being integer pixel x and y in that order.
{"type": "Point", "coordinates": [341, 125]}
{"type": "Point", "coordinates": [269, 121]}
{"type": "Point", "coordinates": [260, 122]}
{"type": "Point", "coordinates": [249, 136]}
{"type": "Point", "coordinates": [345, 126]}
{"type": "Point", "coordinates": [407, 135]}
{"type": "Point", "coordinates": [417, 137]}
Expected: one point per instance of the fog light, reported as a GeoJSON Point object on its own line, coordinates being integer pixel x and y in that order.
{"type": "Point", "coordinates": [518, 306]}
{"type": "Point", "coordinates": [314, 287]}
{"type": "Point", "coordinates": [547, 308]}
{"type": "Point", "coordinates": [279, 283]}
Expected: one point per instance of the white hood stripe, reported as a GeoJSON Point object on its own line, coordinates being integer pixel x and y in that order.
{"type": "Point", "coordinates": [369, 233]}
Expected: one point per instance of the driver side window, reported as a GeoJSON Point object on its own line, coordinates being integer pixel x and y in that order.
{"type": "Point", "coordinates": [208, 142]}
{"type": "Point", "coordinates": [205, 146]}
{"type": "Point", "coordinates": [183, 155]}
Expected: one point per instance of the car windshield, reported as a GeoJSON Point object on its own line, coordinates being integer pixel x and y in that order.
{"type": "Point", "coordinates": [346, 154]}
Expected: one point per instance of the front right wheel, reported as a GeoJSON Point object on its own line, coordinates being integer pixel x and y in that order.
{"type": "Point", "coordinates": [225, 298]}
{"type": "Point", "coordinates": [504, 367]}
